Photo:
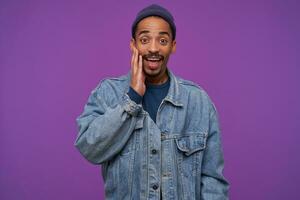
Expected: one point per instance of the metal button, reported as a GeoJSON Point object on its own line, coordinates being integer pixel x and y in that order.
{"type": "Point", "coordinates": [154, 151]}
{"type": "Point", "coordinates": [155, 187]}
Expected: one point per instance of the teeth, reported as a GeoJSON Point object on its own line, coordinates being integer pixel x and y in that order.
{"type": "Point", "coordinates": [153, 59]}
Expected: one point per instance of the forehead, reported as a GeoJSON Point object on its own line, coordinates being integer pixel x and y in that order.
{"type": "Point", "coordinates": [153, 24]}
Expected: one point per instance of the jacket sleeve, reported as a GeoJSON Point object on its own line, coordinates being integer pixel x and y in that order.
{"type": "Point", "coordinates": [104, 130]}
{"type": "Point", "coordinates": [214, 184]}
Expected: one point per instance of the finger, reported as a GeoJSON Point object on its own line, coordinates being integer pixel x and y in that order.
{"type": "Point", "coordinates": [136, 54]}
{"type": "Point", "coordinates": [140, 67]}
{"type": "Point", "coordinates": [132, 60]}
{"type": "Point", "coordinates": [141, 72]}
{"type": "Point", "coordinates": [133, 56]}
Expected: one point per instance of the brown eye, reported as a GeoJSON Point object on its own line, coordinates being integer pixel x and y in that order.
{"type": "Point", "coordinates": [163, 41]}
{"type": "Point", "coordinates": [144, 40]}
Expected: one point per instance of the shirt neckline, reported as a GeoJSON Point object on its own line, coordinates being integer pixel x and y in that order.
{"type": "Point", "coordinates": [155, 86]}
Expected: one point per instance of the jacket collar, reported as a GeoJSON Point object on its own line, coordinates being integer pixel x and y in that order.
{"type": "Point", "coordinates": [173, 95]}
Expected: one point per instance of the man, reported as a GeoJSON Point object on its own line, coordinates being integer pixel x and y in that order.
{"type": "Point", "coordinates": [155, 134]}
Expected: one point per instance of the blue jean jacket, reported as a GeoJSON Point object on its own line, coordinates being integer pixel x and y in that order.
{"type": "Point", "coordinates": [178, 157]}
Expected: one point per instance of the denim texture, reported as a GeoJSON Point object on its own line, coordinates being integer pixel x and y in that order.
{"type": "Point", "coordinates": [180, 155]}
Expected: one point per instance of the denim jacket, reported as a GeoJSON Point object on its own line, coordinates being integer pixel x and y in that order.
{"type": "Point", "coordinates": [179, 157]}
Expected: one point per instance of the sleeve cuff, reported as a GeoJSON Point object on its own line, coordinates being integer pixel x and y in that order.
{"type": "Point", "coordinates": [130, 106]}
{"type": "Point", "coordinates": [134, 96]}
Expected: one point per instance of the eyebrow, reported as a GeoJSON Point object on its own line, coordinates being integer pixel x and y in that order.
{"type": "Point", "coordinates": [160, 33]}
{"type": "Point", "coordinates": [142, 32]}
{"type": "Point", "coordinates": [164, 33]}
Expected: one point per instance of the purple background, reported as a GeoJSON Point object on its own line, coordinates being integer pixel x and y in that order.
{"type": "Point", "coordinates": [245, 54]}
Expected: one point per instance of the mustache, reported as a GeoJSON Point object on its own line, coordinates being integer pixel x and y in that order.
{"type": "Point", "coordinates": [153, 56]}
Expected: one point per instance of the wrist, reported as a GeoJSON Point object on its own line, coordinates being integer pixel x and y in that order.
{"type": "Point", "coordinates": [134, 95]}
{"type": "Point", "coordinates": [138, 89]}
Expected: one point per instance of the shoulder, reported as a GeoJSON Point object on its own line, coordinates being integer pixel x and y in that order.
{"type": "Point", "coordinates": [111, 89]}
{"type": "Point", "coordinates": [191, 87]}
{"type": "Point", "coordinates": [195, 92]}
{"type": "Point", "coordinates": [113, 82]}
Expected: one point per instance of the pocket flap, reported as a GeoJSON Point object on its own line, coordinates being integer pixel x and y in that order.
{"type": "Point", "coordinates": [189, 144]}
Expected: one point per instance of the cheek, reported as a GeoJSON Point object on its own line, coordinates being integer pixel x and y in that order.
{"type": "Point", "coordinates": [142, 51]}
{"type": "Point", "coordinates": [166, 51]}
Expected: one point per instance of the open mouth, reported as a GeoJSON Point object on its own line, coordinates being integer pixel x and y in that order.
{"type": "Point", "coordinates": [153, 59]}
{"type": "Point", "coordinates": [154, 62]}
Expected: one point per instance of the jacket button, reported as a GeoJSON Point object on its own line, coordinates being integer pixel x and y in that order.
{"type": "Point", "coordinates": [154, 151]}
{"type": "Point", "coordinates": [155, 187]}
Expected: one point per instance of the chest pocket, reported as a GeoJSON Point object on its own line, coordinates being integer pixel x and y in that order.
{"type": "Point", "coordinates": [189, 152]}
{"type": "Point", "coordinates": [190, 144]}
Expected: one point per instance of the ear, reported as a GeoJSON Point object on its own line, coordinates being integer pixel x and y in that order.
{"type": "Point", "coordinates": [173, 46]}
{"type": "Point", "coordinates": [132, 43]}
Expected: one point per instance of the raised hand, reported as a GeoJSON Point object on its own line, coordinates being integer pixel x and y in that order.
{"type": "Point", "coordinates": [137, 75]}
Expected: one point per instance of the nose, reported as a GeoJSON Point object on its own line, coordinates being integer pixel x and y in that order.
{"type": "Point", "coordinates": [153, 47]}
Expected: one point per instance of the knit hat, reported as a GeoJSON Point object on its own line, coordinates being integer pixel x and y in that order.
{"type": "Point", "coordinates": [154, 10]}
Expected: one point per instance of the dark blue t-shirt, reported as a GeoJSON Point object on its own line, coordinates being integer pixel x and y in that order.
{"type": "Point", "coordinates": [152, 98]}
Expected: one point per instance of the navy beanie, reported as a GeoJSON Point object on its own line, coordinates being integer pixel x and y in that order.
{"type": "Point", "coordinates": [154, 10]}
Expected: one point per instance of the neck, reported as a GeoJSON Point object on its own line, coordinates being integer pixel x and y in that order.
{"type": "Point", "coordinates": [158, 80]}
